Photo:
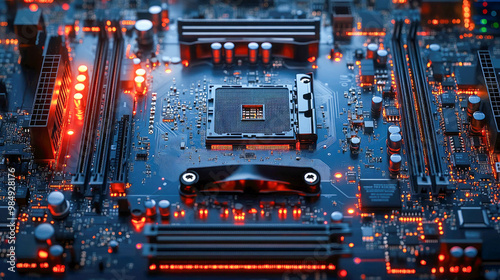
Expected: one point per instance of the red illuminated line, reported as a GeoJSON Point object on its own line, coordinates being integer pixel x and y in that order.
{"type": "Point", "coordinates": [233, 267]}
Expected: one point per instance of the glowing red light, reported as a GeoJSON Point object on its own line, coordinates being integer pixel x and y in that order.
{"type": "Point", "coordinates": [140, 72]}
{"type": "Point", "coordinates": [78, 96]}
{"type": "Point", "coordinates": [33, 7]}
{"type": "Point", "coordinates": [79, 87]}
{"type": "Point", "coordinates": [338, 175]}
{"type": "Point", "coordinates": [70, 132]}
{"type": "Point", "coordinates": [43, 254]}
{"type": "Point", "coordinates": [82, 68]}
{"type": "Point", "coordinates": [65, 6]}
{"type": "Point", "coordinates": [81, 78]}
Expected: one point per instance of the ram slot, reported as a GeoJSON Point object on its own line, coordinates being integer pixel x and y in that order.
{"type": "Point", "coordinates": [80, 179]}
{"type": "Point", "coordinates": [214, 244]}
{"type": "Point", "coordinates": [98, 178]}
{"type": "Point", "coordinates": [422, 96]}
{"type": "Point", "coordinates": [420, 180]}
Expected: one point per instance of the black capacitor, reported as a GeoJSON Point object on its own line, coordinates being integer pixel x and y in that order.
{"type": "Point", "coordinates": [144, 30]}
{"type": "Point", "coordinates": [216, 52]}
{"type": "Point", "coordinates": [150, 206]}
{"type": "Point", "coordinates": [473, 103]}
{"type": "Point", "coordinates": [395, 164]}
{"type": "Point", "coordinates": [393, 129]}
{"type": "Point", "coordinates": [371, 50]}
{"type": "Point", "coordinates": [164, 208]}
{"type": "Point", "coordinates": [376, 105]}
{"type": "Point", "coordinates": [45, 233]}
{"type": "Point", "coordinates": [381, 57]}
{"type": "Point", "coordinates": [355, 143]}
{"type": "Point", "coordinates": [394, 143]}
{"type": "Point", "coordinates": [477, 122]}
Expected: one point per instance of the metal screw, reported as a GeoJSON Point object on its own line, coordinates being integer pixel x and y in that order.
{"type": "Point", "coordinates": [189, 177]}
{"type": "Point", "coordinates": [310, 177]}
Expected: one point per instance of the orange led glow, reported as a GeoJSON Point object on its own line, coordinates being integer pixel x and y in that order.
{"type": "Point", "coordinates": [267, 147]}
{"type": "Point", "coordinates": [350, 211]}
{"type": "Point", "coordinates": [185, 63]}
{"type": "Point", "coordinates": [441, 257]}
{"type": "Point", "coordinates": [82, 68]}
{"type": "Point", "coordinates": [140, 72]}
{"type": "Point", "coordinates": [338, 175]}
{"type": "Point", "coordinates": [79, 87]}
{"type": "Point", "coordinates": [138, 246]}
{"type": "Point", "coordinates": [78, 96]}
{"type": "Point", "coordinates": [221, 147]}
{"type": "Point", "coordinates": [59, 268]}
{"type": "Point", "coordinates": [81, 78]}
{"type": "Point", "coordinates": [168, 70]}
{"type": "Point", "coordinates": [70, 132]}
{"type": "Point", "coordinates": [65, 6]}
{"type": "Point", "coordinates": [42, 254]}
{"type": "Point", "coordinates": [33, 7]}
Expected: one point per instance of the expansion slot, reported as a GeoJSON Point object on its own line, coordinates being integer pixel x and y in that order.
{"type": "Point", "coordinates": [422, 96]}
{"type": "Point", "coordinates": [80, 180]}
{"type": "Point", "coordinates": [101, 158]}
{"type": "Point", "coordinates": [420, 180]}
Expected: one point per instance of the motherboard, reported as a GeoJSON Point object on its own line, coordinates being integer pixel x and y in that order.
{"type": "Point", "coordinates": [249, 139]}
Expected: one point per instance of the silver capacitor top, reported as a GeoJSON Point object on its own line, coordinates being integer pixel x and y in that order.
{"type": "Point", "coordinates": [58, 205]}
{"type": "Point", "coordinates": [44, 233]}
{"type": "Point", "coordinates": [394, 143]}
{"type": "Point", "coordinates": [144, 30]}
{"type": "Point", "coordinates": [371, 49]}
{"type": "Point", "coordinates": [164, 208]}
{"type": "Point", "coordinates": [473, 104]}
{"type": "Point", "coordinates": [150, 206]}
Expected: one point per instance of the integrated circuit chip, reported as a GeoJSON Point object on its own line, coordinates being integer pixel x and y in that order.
{"type": "Point", "coordinates": [379, 194]}
{"type": "Point", "coordinates": [450, 121]}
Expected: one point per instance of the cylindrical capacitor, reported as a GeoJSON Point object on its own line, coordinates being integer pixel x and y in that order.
{"type": "Point", "coordinates": [155, 14]}
{"type": "Point", "coordinates": [266, 52]}
{"type": "Point", "coordinates": [253, 50]}
{"type": "Point", "coordinates": [355, 143]}
{"type": "Point", "coordinates": [376, 106]}
{"type": "Point", "coordinates": [473, 103]}
{"type": "Point", "coordinates": [56, 252]}
{"type": "Point", "coordinates": [382, 57]}
{"type": "Point", "coordinates": [229, 52]}
{"type": "Point", "coordinates": [144, 29]}
{"type": "Point", "coordinates": [456, 252]}
{"type": "Point", "coordinates": [216, 53]}
{"type": "Point", "coordinates": [140, 84]}
{"type": "Point", "coordinates": [477, 122]}
{"type": "Point", "coordinates": [434, 47]}
{"type": "Point", "coordinates": [336, 217]}
{"type": "Point", "coordinates": [392, 129]}
{"type": "Point", "coordinates": [371, 50]}
{"type": "Point", "coordinates": [470, 252]}
{"type": "Point", "coordinates": [44, 233]}
{"type": "Point", "coordinates": [164, 208]}
{"type": "Point", "coordinates": [395, 164]}
{"type": "Point", "coordinates": [394, 143]}
{"type": "Point", "coordinates": [150, 206]}
{"type": "Point", "coordinates": [113, 246]}
{"type": "Point", "coordinates": [58, 205]}
{"type": "Point", "coordinates": [164, 13]}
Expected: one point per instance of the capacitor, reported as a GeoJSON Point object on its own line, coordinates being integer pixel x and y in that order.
{"type": "Point", "coordinates": [150, 206]}
{"type": "Point", "coordinates": [166, 60]}
{"type": "Point", "coordinates": [155, 15]}
{"type": "Point", "coordinates": [253, 50]}
{"type": "Point", "coordinates": [393, 129]}
{"type": "Point", "coordinates": [144, 29]}
{"type": "Point", "coordinates": [477, 122]}
{"type": "Point", "coordinates": [56, 252]}
{"type": "Point", "coordinates": [376, 105]}
{"type": "Point", "coordinates": [113, 246]}
{"type": "Point", "coordinates": [434, 47]}
{"type": "Point", "coordinates": [164, 14]}
{"type": "Point", "coordinates": [382, 57]}
{"type": "Point", "coordinates": [395, 164]}
{"type": "Point", "coordinates": [266, 52]}
{"type": "Point", "coordinates": [140, 84]}
{"type": "Point", "coordinates": [137, 63]}
{"type": "Point", "coordinates": [137, 214]}
{"type": "Point", "coordinates": [394, 143]}
{"type": "Point", "coordinates": [44, 233]}
{"type": "Point", "coordinates": [216, 53]}
{"type": "Point", "coordinates": [371, 50]}
{"type": "Point", "coordinates": [456, 251]}
{"type": "Point", "coordinates": [355, 143]}
{"type": "Point", "coordinates": [470, 252]}
{"type": "Point", "coordinates": [229, 52]}
{"type": "Point", "coordinates": [336, 216]}
{"type": "Point", "coordinates": [164, 208]}
{"type": "Point", "coordinates": [473, 103]}
{"type": "Point", "coordinates": [58, 205]}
